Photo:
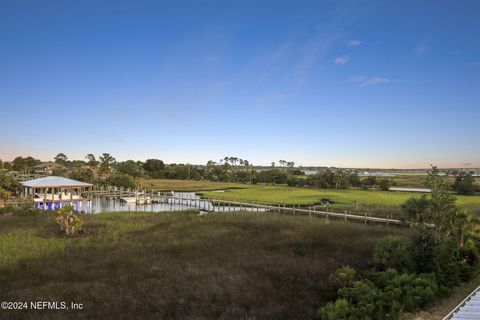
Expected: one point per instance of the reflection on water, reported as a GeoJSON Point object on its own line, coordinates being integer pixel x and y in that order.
{"type": "Point", "coordinates": [182, 201]}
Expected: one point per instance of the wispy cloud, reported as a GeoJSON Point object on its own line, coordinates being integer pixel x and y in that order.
{"type": "Point", "coordinates": [341, 60]}
{"type": "Point", "coordinates": [353, 43]}
{"type": "Point", "coordinates": [422, 47]}
{"type": "Point", "coordinates": [309, 56]}
{"type": "Point", "coordinates": [369, 81]}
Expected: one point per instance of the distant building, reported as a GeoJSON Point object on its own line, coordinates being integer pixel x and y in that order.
{"type": "Point", "coordinates": [45, 168]}
{"type": "Point", "coordinates": [402, 189]}
{"type": "Point", "coordinates": [376, 174]}
{"type": "Point", "coordinates": [22, 176]}
{"type": "Point", "coordinates": [54, 192]}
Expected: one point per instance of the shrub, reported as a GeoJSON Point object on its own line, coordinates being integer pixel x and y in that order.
{"type": "Point", "coordinates": [343, 277]}
{"type": "Point", "coordinates": [292, 181]}
{"type": "Point", "coordinates": [121, 180]}
{"type": "Point", "coordinates": [394, 252]}
{"type": "Point", "coordinates": [446, 263]}
{"type": "Point", "coordinates": [411, 291]}
{"type": "Point", "coordinates": [385, 184]}
{"type": "Point", "coordinates": [363, 296]}
{"type": "Point", "coordinates": [423, 251]}
{"type": "Point", "coordinates": [468, 260]}
{"type": "Point", "coordinates": [383, 295]}
{"type": "Point", "coordinates": [69, 222]}
{"type": "Point", "coordinates": [337, 310]}
{"type": "Point", "coordinates": [4, 194]}
{"type": "Point", "coordinates": [25, 208]}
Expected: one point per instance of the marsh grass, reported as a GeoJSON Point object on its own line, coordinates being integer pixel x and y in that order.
{"type": "Point", "coordinates": [180, 265]}
{"type": "Point", "coordinates": [375, 202]}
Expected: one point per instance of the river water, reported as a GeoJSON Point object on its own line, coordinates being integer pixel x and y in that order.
{"type": "Point", "coordinates": [183, 201]}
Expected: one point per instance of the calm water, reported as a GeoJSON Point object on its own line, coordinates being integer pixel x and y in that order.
{"type": "Point", "coordinates": [183, 201]}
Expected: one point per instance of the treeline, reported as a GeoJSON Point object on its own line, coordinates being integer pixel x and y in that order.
{"type": "Point", "coordinates": [413, 272]}
{"type": "Point", "coordinates": [105, 169]}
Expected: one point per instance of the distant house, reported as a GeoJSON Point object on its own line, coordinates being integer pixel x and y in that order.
{"type": "Point", "coordinates": [22, 176]}
{"type": "Point", "coordinates": [402, 189]}
{"type": "Point", "coordinates": [45, 168]}
{"type": "Point", "coordinates": [376, 174]}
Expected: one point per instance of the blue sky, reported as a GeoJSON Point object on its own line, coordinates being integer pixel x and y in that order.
{"type": "Point", "coordinates": [338, 83]}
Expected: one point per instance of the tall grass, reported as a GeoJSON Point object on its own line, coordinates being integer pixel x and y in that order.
{"type": "Point", "coordinates": [180, 266]}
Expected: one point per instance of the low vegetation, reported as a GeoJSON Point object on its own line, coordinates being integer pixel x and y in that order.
{"type": "Point", "coordinates": [186, 185]}
{"type": "Point", "coordinates": [359, 201]}
{"type": "Point", "coordinates": [413, 273]}
{"type": "Point", "coordinates": [181, 265]}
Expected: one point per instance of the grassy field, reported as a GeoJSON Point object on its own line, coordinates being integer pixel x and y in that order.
{"type": "Point", "coordinates": [185, 185]}
{"type": "Point", "coordinates": [180, 266]}
{"type": "Point", "coordinates": [415, 181]}
{"type": "Point", "coordinates": [418, 180]}
{"type": "Point", "coordinates": [376, 202]}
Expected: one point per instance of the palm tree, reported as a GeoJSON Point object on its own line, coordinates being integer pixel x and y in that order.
{"type": "Point", "coordinates": [464, 224]}
{"type": "Point", "coordinates": [417, 209]}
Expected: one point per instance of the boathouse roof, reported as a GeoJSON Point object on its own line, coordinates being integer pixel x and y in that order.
{"type": "Point", "coordinates": [54, 182]}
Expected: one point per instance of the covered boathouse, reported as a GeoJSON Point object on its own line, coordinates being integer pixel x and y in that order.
{"type": "Point", "coordinates": [51, 193]}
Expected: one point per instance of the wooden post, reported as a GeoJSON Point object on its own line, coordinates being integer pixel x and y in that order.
{"type": "Point", "coordinates": [365, 218]}
{"type": "Point", "coordinates": [345, 215]}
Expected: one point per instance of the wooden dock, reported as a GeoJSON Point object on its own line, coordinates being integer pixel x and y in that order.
{"type": "Point", "coordinates": [217, 205]}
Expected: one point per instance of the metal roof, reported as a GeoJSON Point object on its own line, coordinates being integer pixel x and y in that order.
{"type": "Point", "coordinates": [53, 181]}
{"type": "Point", "coordinates": [468, 308]}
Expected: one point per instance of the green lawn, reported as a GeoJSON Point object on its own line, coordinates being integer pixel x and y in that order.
{"type": "Point", "coordinates": [377, 202]}
{"type": "Point", "coordinates": [180, 265]}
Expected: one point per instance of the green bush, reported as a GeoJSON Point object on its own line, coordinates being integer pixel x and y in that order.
{"type": "Point", "coordinates": [26, 208]}
{"type": "Point", "coordinates": [121, 180]}
{"type": "Point", "coordinates": [438, 266]}
{"type": "Point", "coordinates": [423, 252]}
{"type": "Point", "coordinates": [382, 295]}
{"type": "Point", "coordinates": [363, 296]}
{"type": "Point", "coordinates": [343, 277]}
{"type": "Point", "coordinates": [468, 260]}
{"type": "Point", "coordinates": [446, 263]}
{"type": "Point", "coordinates": [450, 263]}
{"type": "Point", "coordinates": [292, 181]}
{"type": "Point", "coordinates": [394, 252]}
{"type": "Point", "coordinates": [385, 184]}
{"type": "Point", "coordinates": [338, 310]}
